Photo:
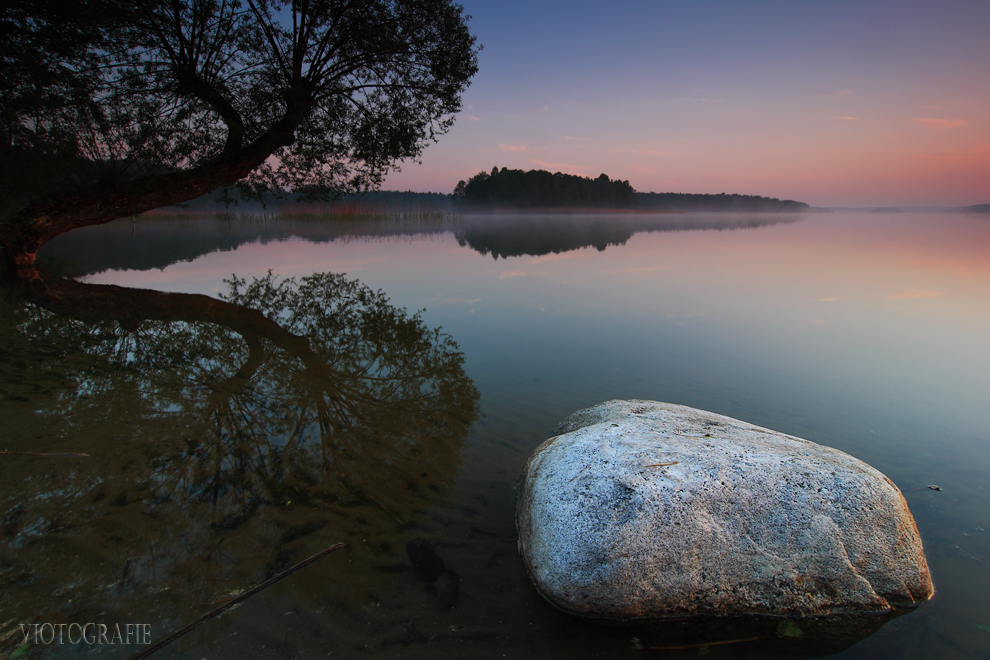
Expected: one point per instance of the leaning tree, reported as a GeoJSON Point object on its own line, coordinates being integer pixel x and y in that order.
{"type": "Point", "coordinates": [110, 108]}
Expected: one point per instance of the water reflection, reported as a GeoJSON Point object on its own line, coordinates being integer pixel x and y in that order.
{"type": "Point", "coordinates": [535, 235]}
{"type": "Point", "coordinates": [828, 328]}
{"type": "Point", "coordinates": [159, 241]}
{"type": "Point", "coordinates": [162, 451]}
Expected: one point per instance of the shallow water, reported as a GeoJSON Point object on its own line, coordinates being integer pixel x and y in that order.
{"type": "Point", "coordinates": [864, 332]}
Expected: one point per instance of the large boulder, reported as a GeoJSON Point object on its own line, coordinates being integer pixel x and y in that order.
{"type": "Point", "coordinates": [641, 511]}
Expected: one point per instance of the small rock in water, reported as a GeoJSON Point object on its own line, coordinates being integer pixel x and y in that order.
{"type": "Point", "coordinates": [448, 588]}
{"type": "Point", "coordinates": [641, 511]}
{"type": "Point", "coordinates": [788, 629]}
{"type": "Point", "coordinates": [934, 487]}
{"type": "Point", "coordinates": [426, 563]}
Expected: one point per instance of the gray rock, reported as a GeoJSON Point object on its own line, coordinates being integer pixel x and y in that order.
{"type": "Point", "coordinates": [644, 511]}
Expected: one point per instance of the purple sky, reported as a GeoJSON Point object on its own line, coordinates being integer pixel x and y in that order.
{"type": "Point", "coordinates": [835, 104]}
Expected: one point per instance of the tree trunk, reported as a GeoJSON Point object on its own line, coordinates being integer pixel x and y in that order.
{"type": "Point", "coordinates": [129, 307]}
{"type": "Point", "coordinates": [99, 203]}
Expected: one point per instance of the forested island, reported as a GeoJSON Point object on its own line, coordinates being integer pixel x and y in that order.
{"type": "Point", "coordinates": [538, 189]}
{"type": "Point", "coordinates": [541, 189]}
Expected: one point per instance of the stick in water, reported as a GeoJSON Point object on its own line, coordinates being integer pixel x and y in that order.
{"type": "Point", "coordinates": [74, 454]}
{"type": "Point", "coordinates": [233, 601]}
{"type": "Point", "coordinates": [698, 646]}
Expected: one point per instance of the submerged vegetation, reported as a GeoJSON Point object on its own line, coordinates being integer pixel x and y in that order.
{"type": "Point", "coordinates": [192, 447]}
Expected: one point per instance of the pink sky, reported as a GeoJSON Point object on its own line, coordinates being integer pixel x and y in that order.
{"type": "Point", "coordinates": [834, 106]}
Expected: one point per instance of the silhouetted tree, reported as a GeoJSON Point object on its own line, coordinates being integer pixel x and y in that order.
{"type": "Point", "coordinates": [109, 108]}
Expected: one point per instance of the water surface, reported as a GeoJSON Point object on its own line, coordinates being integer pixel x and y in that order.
{"type": "Point", "coordinates": [864, 332]}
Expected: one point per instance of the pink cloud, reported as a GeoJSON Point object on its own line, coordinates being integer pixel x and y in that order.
{"type": "Point", "coordinates": [912, 294]}
{"type": "Point", "coordinates": [961, 155]}
{"type": "Point", "coordinates": [642, 152]}
{"type": "Point", "coordinates": [849, 118]}
{"type": "Point", "coordinates": [844, 92]}
{"type": "Point", "coordinates": [512, 147]}
{"type": "Point", "coordinates": [939, 124]}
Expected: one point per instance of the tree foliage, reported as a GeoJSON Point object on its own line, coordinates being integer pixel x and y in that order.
{"type": "Point", "coordinates": [541, 189]}
{"type": "Point", "coordinates": [113, 107]}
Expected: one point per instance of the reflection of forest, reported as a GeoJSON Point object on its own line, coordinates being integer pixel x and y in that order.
{"type": "Point", "coordinates": [517, 235]}
{"type": "Point", "coordinates": [156, 242]}
{"type": "Point", "coordinates": [154, 461]}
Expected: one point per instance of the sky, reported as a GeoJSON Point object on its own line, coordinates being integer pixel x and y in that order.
{"type": "Point", "coordinates": [837, 104]}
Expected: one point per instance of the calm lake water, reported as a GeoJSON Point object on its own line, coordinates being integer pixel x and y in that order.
{"type": "Point", "coordinates": [161, 465]}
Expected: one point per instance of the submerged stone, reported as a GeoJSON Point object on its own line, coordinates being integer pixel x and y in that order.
{"type": "Point", "coordinates": [642, 511]}
{"type": "Point", "coordinates": [426, 563]}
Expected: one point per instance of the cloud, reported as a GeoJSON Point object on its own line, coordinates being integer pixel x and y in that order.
{"type": "Point", "coordinates": [571, 137]}
{"type": "Point", "coordinates": [939, 124]}
{"type": "Point", "coordinates": [471, 117]}
{"type": "Point", "coordinates": [827, 299]}
{"type": "Point", "coordinates": [511, 273]}
{"type": "Point", "coordinates": [844, 92]}
{"type": "Point", "coordinates": [848, 118]}
{"type": "Point", "coordinates": [512, 147]}
{"type": "Point", "coordinates": [912, 294]}
{"type": "Point", "coordinates": [975, 151]}
{"type": "Point", "coordinates": [642, 152]}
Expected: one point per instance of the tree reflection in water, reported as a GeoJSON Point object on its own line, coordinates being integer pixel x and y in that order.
{"type": "Point", "coordinates": [224, 441]}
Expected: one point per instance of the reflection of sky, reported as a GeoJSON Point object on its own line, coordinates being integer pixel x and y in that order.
{"type": "Point", "coordinates": [839, 103]}
{"type": "Point", "coordinates": [841, 300]}
{"type": "Point", "coordinates": [865, 332]}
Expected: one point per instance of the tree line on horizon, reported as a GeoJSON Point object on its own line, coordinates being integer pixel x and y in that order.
{"type": "Point", "coordinates": [541, 189]}
{"type": "Point", "coordinates": [516, 189]}
{"type": "Point", "coordinates": [720, 202]}
{"type": "Point", "coordinates": [505, 188]}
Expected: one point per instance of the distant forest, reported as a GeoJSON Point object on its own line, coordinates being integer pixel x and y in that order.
{"type": "Point", "coordinates": [516, 189]}
{"type": "Point", "coordinates": [355, 203]}
{"type": "Point", "coordinates": [978, 208]}
{"type": "Point", "coordinates": [720, 202]}
{"type": "Point", "coordinates": [539, 189]}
